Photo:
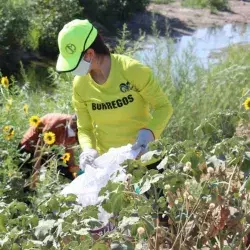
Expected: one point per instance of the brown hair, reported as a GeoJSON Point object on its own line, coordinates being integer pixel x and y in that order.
{"type": "Point", "coordinates": [99, 46]}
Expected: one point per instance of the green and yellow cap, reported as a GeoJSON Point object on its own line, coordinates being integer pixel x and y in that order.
{"type": "Point", "coordinates": [75, 37]}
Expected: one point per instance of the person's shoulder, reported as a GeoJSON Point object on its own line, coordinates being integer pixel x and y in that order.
{"type": "Point", "coordinates": [52, 118]}
{"type": "Point", "coordinates": [120, 57]}
{"type": "Point", "coordinates": [125, 60]}
{"type": "Point", "coordinates": [130, 64]}
{"type": "Point", "coordinates": [80, 81]}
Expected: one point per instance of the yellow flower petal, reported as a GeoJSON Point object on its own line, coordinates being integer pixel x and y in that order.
{"type": "Point", "coordinates": [8, 132]}
{"type": "Point", "coordinates": [49, 138]}
{"type": "Point", "coordinates": [34, 120]}
{"type": "Point", "coordinates": [66, 157]}
{"type": "Point", "coordinates": [6, 128]}
{"type": "Point", "coordinates": [5, 81]}
{"type": "Point", "coordinates": [247, 103]}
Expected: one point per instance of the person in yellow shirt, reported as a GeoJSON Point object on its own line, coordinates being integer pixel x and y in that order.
{"type": "Point", "coordinates": [116, 98]}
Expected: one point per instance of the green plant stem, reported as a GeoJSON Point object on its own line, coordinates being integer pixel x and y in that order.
{"type": "Point", "coordinates": [230, 180]}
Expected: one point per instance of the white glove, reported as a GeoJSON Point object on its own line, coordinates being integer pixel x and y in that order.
{"type": "Point", "coordinates": [87, 157]}
{"type": "Point", "coordinates": [143, 138]}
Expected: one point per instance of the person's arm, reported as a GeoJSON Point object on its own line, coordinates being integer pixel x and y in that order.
{"type": "Point", "coordinates": [144, 81]}
{"type": "Point", "coordinates": [84, 123]}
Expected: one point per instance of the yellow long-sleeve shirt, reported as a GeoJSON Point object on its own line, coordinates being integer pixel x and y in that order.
{"type": "Point", "coordinates": [111, 114]}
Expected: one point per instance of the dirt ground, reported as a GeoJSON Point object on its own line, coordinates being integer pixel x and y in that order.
{"type": "Point", "coordinates": [178, 20]}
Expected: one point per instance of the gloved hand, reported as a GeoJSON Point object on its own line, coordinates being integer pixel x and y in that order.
{"type": "Point", "coordinates": [87, 157]}
{"type": "Point", "coordinates": [143, 138]}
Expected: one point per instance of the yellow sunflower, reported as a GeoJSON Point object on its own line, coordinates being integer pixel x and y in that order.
{"type": "Point", "coordinates": [10, 135]}
{"type": "Point", "coordinates": [26, 108]}
{"type": "Point", "coordinates": [6, 129]}
{"type": "Point", "coordinates": [247, 103]}
{"type": "Point", "coordinates": [49, 138]}
{"type": "Point", "coordinates": [34, 120]}
{"type": "Point", "coordinates": [8, 132]}
{"type": "Point", "coordinates": [5, 81]}
{"type": "Point", "coordinates": [66, 157]}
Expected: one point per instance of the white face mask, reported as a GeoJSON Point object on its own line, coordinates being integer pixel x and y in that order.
{"type": "Point", "coordinates": [82, 69]}
{"type": "Point", "coordinates": [71, 132]}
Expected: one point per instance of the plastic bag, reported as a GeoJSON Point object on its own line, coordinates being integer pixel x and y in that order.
{"type": "Point", "coordinates": [106, 167]}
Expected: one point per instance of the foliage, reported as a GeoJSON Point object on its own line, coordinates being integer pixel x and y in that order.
{"type": "Point", "coordinates": [213, 5]}
{"type": "Point", "coordinates": [202, 96]}
{"type": "Point", "coordinates": [15, 24]}
{"type": "Point", "coordinates": [50, 16]}
{"type": "Point", "coordinates": [108, 12]}
{"type": "Point", "coordinates": [162, 1]}
{"type": "Point", "coordinates": [124, 45]}
{"type": "Point", "coordinates": [202, 189]}
{"type": "Point", "coordinates": [32, 25]}
{"type": "Point", "coordinates": [15, 32]}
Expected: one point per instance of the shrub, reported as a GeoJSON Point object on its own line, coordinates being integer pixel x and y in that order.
{"type": "Point", "coordinates": [213, 5]}
{"type": "Point", "coordinates": [110, 11]}
{"type": "Point", "coordinates": [51, 15]}
{"type": "Point", "coordinates": [14, 32]}
{"type": "Point", "coordinates": [162, 1]}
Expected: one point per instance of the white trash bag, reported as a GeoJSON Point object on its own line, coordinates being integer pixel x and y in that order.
{"type": "Point", "coordinates": [106, 167]}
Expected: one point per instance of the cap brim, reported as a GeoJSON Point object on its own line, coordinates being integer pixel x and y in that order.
{"type": "Point", "coordinates": [68, 65]}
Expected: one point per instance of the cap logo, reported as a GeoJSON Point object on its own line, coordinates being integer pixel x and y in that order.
{"type": "Point", "coordinates": [70, 48]}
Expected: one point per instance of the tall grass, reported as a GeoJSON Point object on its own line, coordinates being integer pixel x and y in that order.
{"type": "Point", "coordinates": [195, 94]}
{"type": "Point", "coordinates": [199, 96]}
{"type": "Point", "coordinates": [198, 93]}
{"type": "Point", "coordinates": [162, 1]}
{"type": "Point", "coordinates": [213, 5]}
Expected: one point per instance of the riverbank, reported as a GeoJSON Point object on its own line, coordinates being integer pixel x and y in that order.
{"type": "Point", "coordinates": [171, 19]}
{"type": "Point", "coordinates": [177, 20]}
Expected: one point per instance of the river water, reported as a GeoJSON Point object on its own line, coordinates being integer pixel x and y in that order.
{"type": "Point", "coordinates": [201, 45]}
{"type": "Point", "coordinates": [186, 52]}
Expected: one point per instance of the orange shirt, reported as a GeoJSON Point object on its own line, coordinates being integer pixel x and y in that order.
{"type": "Point", "coordinates": [53, 122]}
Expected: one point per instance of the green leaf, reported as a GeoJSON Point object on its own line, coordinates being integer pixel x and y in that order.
{"type": "Point", "coordinates": [118, 202]}
{"type": "Point", "coordinates": [82, 231]}
{"type": "Point", "coordinates": [48, 239]}
{"type": "Point", "coordinates": [43, 228]}
{"type": "Point", "coordinates": [34, 220]}
{"type": "Point", "coordinates": [245, 167]}
{"type": "Point", "coordinates": [70, 198]}
{"type": "Point", "coordinates": [127, 221]}
{"type": "Point", "coordinates": [15, 246]}
{"type": "Point", "coordinates": [86, 243]}
{"type": "Point", "coordinates": [247, 184]}
{"type": "Point", "coordinates": [30, 244]}
{"type": "Point", "coordinates": [151, 157]}
{"type": "Point", "coordinates": [100, 246]}
{"type": "Point", "coordinates": [163, 163]}
{"type": "Point", "coordinates": [145, 209]}
{"type": "Point", "coordinates": [145, 187]}
{"type": "Point", "coordinates": [155, 178]}
{"type": "Point", "coordinates": [122, 246]}
{"type": "Point", "coordinates": [162, 203]}
{"type": "Point", "coordinates": [3, 220]}
{"type": "Point", "coordinates": [107, 206]}
{"type": "Point", "coordinates": [53, 204]}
